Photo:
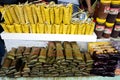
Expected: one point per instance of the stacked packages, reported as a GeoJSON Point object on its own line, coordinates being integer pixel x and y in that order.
{"type": "Point", "coordinates": [105, 58]}
{"type": "Point", "coordinates": [53, 61]}
{"type": "Point", "coordinates": [43, 18]}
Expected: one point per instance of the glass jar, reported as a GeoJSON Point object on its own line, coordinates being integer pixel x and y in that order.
{"type": "Point", "coordinates": [104, 8]}
{"type": "Point", "coordinates": [113, 12]}
{"type": "Point", "coordinates": [99, 27]}
{"type": "Point", "coordinates": [116, 29]}
{"type": "Point", "coordinates": [108, 29]}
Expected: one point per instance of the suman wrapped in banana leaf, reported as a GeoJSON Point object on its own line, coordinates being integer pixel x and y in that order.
{"type": "Point", "coordinates": [68, 51]}
{"type": "Point", "coordinates": [59, 51]}
{"type": "Point", "coordinates": [76, 51]}
{"type": "Point", "coordinates": [42, 56]}
{"type": "Point", "coordinates": [6, 63]}
{"type": "Point", "coordinates": [51, 52]}
{"type": "Point", "coordinates": [34, 53]}
{"type": "Point", "coordinates": [88, 58]}
{"type": "Point", "coordinates": [19, 52]}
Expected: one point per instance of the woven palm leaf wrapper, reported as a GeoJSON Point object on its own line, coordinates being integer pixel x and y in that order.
{"type": "Point", "coordinates": [42, 56]}
{"type": "Point", "coordinates": [20, 51]}
{"type": "Point", "coordinates": [51, 53]}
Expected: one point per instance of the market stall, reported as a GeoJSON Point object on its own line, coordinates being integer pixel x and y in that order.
{"type": "Point", "coordinates": [46, 41]}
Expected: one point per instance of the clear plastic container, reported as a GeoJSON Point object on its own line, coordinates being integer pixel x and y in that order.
{"type": "Point", "coordinates": [100, 26]}
{"type": "Point", "coordinates": [108, 29]}
{"type": "Point", "coordinates": [113, 12]}
{"type": "Point", "coordinates": [104, 8]}
{"type": "Point", "coordinates": [116, 29]}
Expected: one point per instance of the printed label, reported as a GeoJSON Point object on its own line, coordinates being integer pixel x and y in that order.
{"type": "Point", "coordinates": [117, 28]}
{"type": "Point", "coordinates": [114, 11]}
{"type": "Point", "coordinates": [106, 9]}
{"type": "Point", "coordinates": [108, 30]}
{"type": "Point", "coordinates": [100, 28]}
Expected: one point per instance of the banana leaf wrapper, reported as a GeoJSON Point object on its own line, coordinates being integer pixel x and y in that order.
{"type": "Point", "coordinates": [13, 64]}
{"type": "Point", "coordinates": [34, 53]}
{"type": "Point", "coordinates": [19, 52]}
{"type": "Point", "coordinates": [68, 51]}
{"type": "Point", "coordinates": [4, 27]}
{"type": "Point", "coordinates": [18, 28]}
{"type": "Point", "coordinates": [59, 51]}
{"type": "Point", "coordinates": [76, 51]}
{"type": "Point", "coordinates": [6, 63]}
{"type": "Point", "coordinates": [88, 58]}
{"type": "Point", "coordinates": [42, 56]}
{"type": "Point", "coordinates": [27, 51]}
{"type": "Point", "coordinates": [51, 55]}
{"type": "Point", "coordinates": [11, 55]}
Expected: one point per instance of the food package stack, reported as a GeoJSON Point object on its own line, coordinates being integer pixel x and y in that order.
{"type": "Point", "coordinates": [43, 18]}
{"type": "Point", "coordinates": [116, 44]}
{"type": "Point", "coordinates": [105, 58]}
{"type": "Point", "coordinates": [56, 60]}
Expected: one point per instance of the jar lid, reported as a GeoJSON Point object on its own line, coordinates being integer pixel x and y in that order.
{"type": "Point", "coordinates": [115, 2]}
{"type": "Point", "coordinates": [117, 20]}
{"type": "Point", "coordinates": [109, 24]}
{"type": "Point", "coordinates": [105, 1]}
{"type": "Point", "coordinates": [100, 20]}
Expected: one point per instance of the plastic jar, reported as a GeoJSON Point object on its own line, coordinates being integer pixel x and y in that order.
{"type": "Point", "coordinates": [100, 26]}
{"type": "Point", "coordinates": [104, 8]}
{"type": "Point", "coordinates": [118, 16]}
{"type": "Point", "coordinates": [116, 29]}
{"type": "Point", "coordinates": [113, 12]}
{"type": "Point", "coordinates": [108, 29]}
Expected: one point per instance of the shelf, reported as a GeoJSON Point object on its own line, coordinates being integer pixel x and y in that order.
{"type": "Point", "coordinates": [108, 39]}
{"type": "Point", "coordinates": [49, 37]}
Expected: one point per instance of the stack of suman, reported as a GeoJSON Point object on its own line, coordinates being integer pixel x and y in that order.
{"type": "Point", "coordinates": [105, 60]}
{"type": "Point", "coordinates": [43, 18]}
{"type": "Point", "coordinates": [58, 59]}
